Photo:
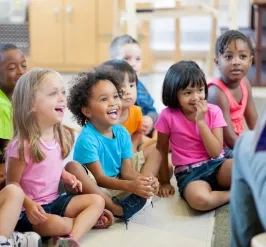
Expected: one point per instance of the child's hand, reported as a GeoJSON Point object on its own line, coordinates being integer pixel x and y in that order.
{"type": "Point", "coordinates": [202, 108]}
{"type": "Point", "coordinates": [141, 186]}
{"type": "Point", "coordinates": [70, 179]}
{"type": "Point", "coordinates": [35, 213]}
{"type": "Point", "coordinates": [166, 190]}
{"type": "Point", "coordinates": [155, 184]}
{"type": "Point", "coordinates": [147, 124]}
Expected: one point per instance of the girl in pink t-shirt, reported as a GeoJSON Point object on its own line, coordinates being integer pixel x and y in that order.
{"type": "Point", "coordinates": [194, 130]}
{"type": "Point", "coordinates": [35, 163]}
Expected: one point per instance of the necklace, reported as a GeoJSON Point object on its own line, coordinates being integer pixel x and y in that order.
{"type": "Point", "coordinates": [49, 147]}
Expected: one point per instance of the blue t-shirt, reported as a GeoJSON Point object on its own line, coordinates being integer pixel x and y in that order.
{"type": "Point", "coordinates": [91, 146]}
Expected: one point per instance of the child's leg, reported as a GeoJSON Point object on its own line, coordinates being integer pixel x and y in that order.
{"type": "Point", "coordinates": [224, 176]}
{"type": "Point", "coordinates": [54, 226]}
{"type": "Point", "coordinates": [152, 161]}
{"type": "Point", "coordinates": [200, 196]}
{"type": "Point", "coordinates": [11, 200]}
{"type": "Point", "coordinates": [85, 209]}
{"type": "Point", "coordinates": [89, 187]}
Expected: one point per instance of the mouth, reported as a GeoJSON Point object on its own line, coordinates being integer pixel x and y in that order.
{"type": "Point", "coordinates": [128, 99]}
{"type": "Point", "coordinates": [113, 113]}
{"type": "Point", "coordinates": [236, 71]}
{"type": "Point", "coordinates": [60, 109]}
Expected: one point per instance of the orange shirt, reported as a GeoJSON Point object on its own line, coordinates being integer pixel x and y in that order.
{"type": "Point", "coordinates": [134, 120]}
{"type": "Point", "coordinates": [236, 110]}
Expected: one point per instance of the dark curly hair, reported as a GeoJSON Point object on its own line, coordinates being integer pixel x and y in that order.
{"type": "Point", "coordinates": [225, 39]}
{"type": "Point", "coordinates": [82, 85]}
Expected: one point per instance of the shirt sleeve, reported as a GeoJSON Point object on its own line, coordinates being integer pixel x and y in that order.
{"type": "Point", "coordinates": [162, 124]}
{"type": "Point", "coordinates": [217, 118]}
{"type": "Point", "coordinates": [127, 150]}
{"type": "Point", "coordinates": [6, 126]}
{"type": "Point", "coordinates": [86, 150]}
{"type": "Point", "coordinates": [145, 101]}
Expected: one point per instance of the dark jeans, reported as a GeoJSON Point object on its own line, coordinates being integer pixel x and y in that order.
{"type": "Point", "coordinates": [248, 192]}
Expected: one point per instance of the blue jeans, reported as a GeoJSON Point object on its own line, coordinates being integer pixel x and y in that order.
{"type": "Point", "coordinates": [248, 192]}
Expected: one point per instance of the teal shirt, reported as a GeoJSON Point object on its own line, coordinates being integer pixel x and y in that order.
{"type": "Point", "coordinates": [92, 146]}
{"type": "Point", "coordinates": [6, 125]}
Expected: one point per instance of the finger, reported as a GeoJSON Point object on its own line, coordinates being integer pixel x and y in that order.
{"type": "Point", "coordinates": [172, 192]}
{"type": "Point", "coordinates": [79, 187]}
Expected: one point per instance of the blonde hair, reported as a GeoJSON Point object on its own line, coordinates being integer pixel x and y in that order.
{"type": "Point", "coordinates": [25, 125]}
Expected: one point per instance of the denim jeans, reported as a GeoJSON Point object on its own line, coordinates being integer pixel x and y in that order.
{"type": "Point", "coordinates": [248, 192]}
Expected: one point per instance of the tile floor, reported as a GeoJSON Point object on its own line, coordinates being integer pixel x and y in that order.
{"type": "Point", "coordinates": [171, 222]}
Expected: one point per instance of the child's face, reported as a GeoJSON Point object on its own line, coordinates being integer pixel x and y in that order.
{"type": "Point", "coordinates": [12, 67]}
{"type": "Point", "coordinates": [104, 105]}
{"type": "Point", "coordinates": [189, 96]}
{"type": "Point", "coordinates": [50, 100]}
{"type": "Point", "coordinates": [132, 54]}
{"type": "Point", "coordinates": [129, 92]}
{"type": "Point", "coordinates": [236, 61]}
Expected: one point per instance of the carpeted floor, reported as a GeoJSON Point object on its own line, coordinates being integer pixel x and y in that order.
{"type": "Point", "coordinates": [221, 232]}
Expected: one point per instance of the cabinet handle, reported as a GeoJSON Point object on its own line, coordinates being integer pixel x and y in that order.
{"type": "Point", "coordinates": [56, 11]}
{"type": "Point", "coordinates": [69, 11]}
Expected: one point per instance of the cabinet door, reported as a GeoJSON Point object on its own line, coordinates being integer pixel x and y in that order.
{"type": "Point", "coordinates": [46, 32]}
{"type": "Point", "coordinates": [80, 32]}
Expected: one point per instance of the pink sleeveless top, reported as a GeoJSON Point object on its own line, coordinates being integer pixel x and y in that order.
{"type": "Point", "coordinates": [236, 110]}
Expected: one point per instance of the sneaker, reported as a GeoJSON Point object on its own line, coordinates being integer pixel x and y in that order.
{"type": "Point", "coordinates": [66, 241]}
{"type": "Point", "coordinates": [131, 205]}
{"type": "Point", "coordinates": [26, 239]}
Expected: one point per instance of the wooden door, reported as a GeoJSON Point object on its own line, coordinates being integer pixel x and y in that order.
{"type": "Point", "coordinates": [46, 32]}
{"type": "Point", "coordinates": [80, 33]}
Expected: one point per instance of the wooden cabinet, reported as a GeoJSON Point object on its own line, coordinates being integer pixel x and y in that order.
{"type": "Point", "coordinates": [62, 34]}
{"type": "Point", "coordinates": [75, 35]}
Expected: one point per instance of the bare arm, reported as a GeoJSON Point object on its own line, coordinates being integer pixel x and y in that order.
{"type": "Point", "coordinates": [217, 97]}
{"type": "Point", "coordinates": [34, 211]}
{"type": "Point", "coordinates": [163, 147]}
{"type": "Point", "coordinates": [251, 115]}
{"type": "Point", "coordinates": [105, 181]}
{"type": "Point", "coordinates": [127, 171]}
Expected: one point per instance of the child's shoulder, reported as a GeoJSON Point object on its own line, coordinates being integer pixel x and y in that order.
{"type": "Point", "coordinates": [213, 108]}
{"type": "Point", "coordinates": [134, 109]}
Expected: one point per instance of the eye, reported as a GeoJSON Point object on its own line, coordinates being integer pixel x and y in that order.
{"type": "Point", "coordinates": [11, 68]}
{"type": "Point", "coordinates": [64, 92]}
{"type": "Point", "coordinates": [116, 96]}
{"type": "Point", "coordinates": [138, 58]}
{"type": "Point", "coordinates": [53, 93]}
{"type": "Point", "coordinates": [228, 57]}
{"type": "Point", "coordinates": [186, 93]}
{"type": "Point", "coordinates": [243, 56]}
{"type": "Point", "coordinates": [103, 99]}
{"type": "Point", "coordinates": [132, 85]}
{"type": "Point", "coordinates": [201, 90]}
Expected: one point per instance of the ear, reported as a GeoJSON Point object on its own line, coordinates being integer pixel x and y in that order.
{"type": "Point", "coordinates": [216, 61]}
{"type": "Point", "coordinates": [251, 60]}
{"type": "Point", "coordinates": [86, 111]}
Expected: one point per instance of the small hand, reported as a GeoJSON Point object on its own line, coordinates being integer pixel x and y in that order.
{"type": "Point", "coordinates": [155, 184]}
{"type": "Point", "coordinates": [166, 190]}
{"type": "Point", "coordinates": [141, 186]}
{"type": "Point", "coordinates": [147, 124]}
{"type": "Point", "coordinates": [202, 108]}
{"type": "Point", "coordinates": [35, 213]}
{"type": "Point", "coordinates": [70, 179]}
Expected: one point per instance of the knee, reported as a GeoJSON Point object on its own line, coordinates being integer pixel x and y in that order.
{"type": "Point", "coordinates": [13, 191]}
{"type": "Point", "coordinates": [98, 200]}
{"type": "Point", "coordinates": [200, 202]}
{"type": "Point", "coordinates": [72, 166]}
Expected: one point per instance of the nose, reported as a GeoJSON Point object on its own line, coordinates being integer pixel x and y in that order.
{"type": "Point", "coordinates": [20, 70]}
{"type": "Point", "coordinates": [195, 97]}
{"type": "Point", "coordinates": [236, 60]}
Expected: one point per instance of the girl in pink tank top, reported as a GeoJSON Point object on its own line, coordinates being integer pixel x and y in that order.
{"type": "Point", "coordinates": [231, 91]}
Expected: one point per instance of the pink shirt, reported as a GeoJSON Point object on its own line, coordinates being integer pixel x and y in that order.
{"type": "Point", "coordinates": [39, 181]}
{"type": "Point", "coordinates": [236, 110]}
{"type": "Point", "coordinates": [185, 140]}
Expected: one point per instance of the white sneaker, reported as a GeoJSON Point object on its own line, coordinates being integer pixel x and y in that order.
{"type": "Point", "coordinates": [26, 239]}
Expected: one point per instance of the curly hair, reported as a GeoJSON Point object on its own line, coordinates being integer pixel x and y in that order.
{"type": "Point", "coordinates": [82, 85]}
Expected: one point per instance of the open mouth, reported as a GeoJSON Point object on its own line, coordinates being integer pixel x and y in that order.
{"type": "Point", "coordinates": [113, 113]}
{"type": "Point", "coordinates": [236, 71]}
{"type": "Point", "coordinates": [60, 109]}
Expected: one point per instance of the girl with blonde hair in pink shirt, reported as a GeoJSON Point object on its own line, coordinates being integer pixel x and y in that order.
{"type": "Point", "coordinates": [194, 130]}
{"type": "Point", "coordinates": [34, 161]}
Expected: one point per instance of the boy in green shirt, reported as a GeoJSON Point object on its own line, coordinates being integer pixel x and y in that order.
{"type": "Point", "coordinates": [12, 67]}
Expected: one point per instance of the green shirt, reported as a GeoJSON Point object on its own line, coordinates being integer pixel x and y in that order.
{"type": "Point", "coordinates": [6, 125]}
